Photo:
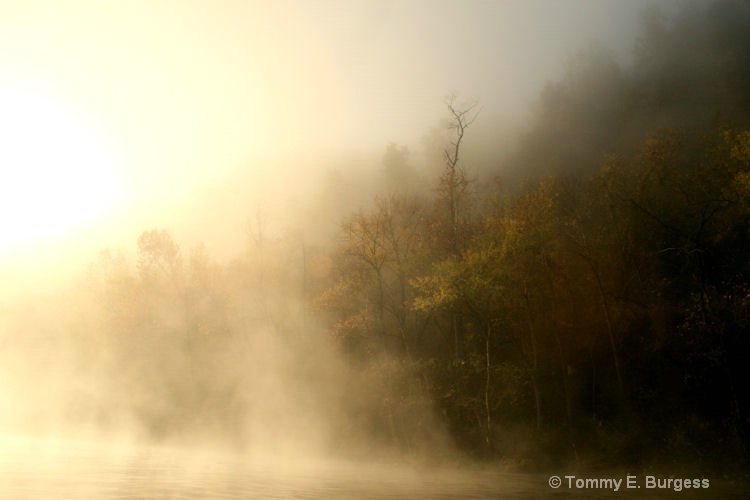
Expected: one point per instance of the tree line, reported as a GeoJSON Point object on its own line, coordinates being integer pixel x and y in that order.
{"type": "Point", "coordinates": [588, 302]}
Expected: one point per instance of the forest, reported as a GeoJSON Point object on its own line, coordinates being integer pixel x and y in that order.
{"type": "Point", "coordinates": [586, 303]}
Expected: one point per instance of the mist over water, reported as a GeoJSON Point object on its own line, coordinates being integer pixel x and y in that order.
{"type": "Point", "coordinates": [42, 469]}
{"type": "Point", "coordinates": [180, 349]}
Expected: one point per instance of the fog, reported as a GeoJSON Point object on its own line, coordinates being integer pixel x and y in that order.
{"type": "Point", "coordinates": [374, 230]}
{"type": "Point", "coordinates": [190, 97]}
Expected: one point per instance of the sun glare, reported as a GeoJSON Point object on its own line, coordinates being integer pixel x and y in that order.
{"type": "Point", "coordinates": [56, 174]}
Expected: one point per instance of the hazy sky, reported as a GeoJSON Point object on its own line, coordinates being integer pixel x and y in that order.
{"type": "Point", "coordinates": [183, 93]}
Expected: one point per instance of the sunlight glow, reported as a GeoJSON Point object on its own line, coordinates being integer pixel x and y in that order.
{"type": "Point", "coordinates": [55, 173]}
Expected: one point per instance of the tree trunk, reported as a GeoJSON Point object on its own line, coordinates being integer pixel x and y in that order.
{"type": "Point", "coordinates": [610, 329]}
{"type": "Point", "coordinates": [534, 359]}
{"type": "Point", "coordinates": [487, 385]}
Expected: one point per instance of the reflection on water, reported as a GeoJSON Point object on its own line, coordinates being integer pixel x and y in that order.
{"type": "Point", "coordinates": [35, 469]}
{"type": "Point", "coordinates": [79, 470]}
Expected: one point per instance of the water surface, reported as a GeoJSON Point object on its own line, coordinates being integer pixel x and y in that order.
{"type": "Point", "coordinates": [70, 469]}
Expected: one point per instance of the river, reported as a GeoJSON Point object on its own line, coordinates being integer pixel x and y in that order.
{"type": "Point", "coordinates": [74, 469]}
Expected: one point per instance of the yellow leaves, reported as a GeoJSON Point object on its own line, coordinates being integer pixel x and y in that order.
{"type": "Point", "coordinates": [356, 324]}
{"type": "Point", "coordinates": [481, 260]}
{"type": "Point", "coordinates": [437, 292]}
{"type": "Point", "coordinates": [365, 239]}
{"type": "Point", "coordinates": [613, 176]}
{"type": "Point", "coordinates": [334, 297]}
{"type": "Point", "coordinates": [740, 151]}
{"type": "Point", "coordinates": [483, 273]}
{"type": "Point", "coordinates": [662, 149]}
{"type": "Point", "coordinates": [513, 226]}
{"type": "Point", "coordinates": [740, 146]}
{"type": "Point", "coordinates": [477, 278]}
{"type": "Point", "coordinates": [742, 184]}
